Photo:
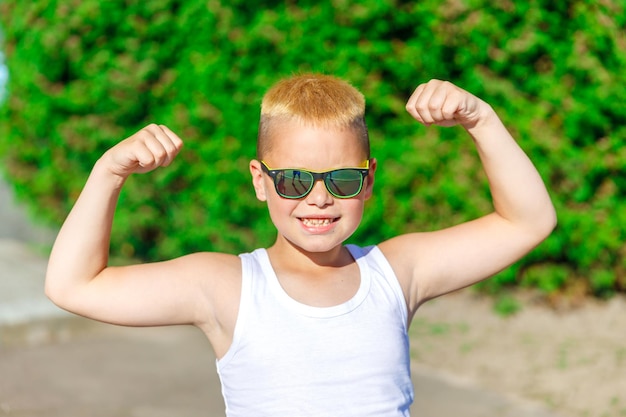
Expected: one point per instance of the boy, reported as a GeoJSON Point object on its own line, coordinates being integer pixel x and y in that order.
{"type": "Point", "coordinates": [307, 327]}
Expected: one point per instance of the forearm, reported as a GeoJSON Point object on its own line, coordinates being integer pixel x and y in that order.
{"type": "Point", "coordinates": [518, 192]}
{"type": "Point", "coordinates": [81, 249]}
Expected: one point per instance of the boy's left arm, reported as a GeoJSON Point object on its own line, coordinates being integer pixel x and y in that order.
{"type": "Point", "coordinates": [434, 263]}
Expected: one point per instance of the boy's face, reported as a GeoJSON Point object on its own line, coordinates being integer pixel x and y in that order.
{"type": "Point", "coordinates": [317, 222]}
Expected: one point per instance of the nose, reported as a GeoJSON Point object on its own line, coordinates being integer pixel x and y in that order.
{"type": "Point", "coordinates": [319, 195]}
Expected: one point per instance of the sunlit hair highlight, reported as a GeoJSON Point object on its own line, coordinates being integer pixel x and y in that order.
{"type": "Point", "coordinates": [312, 100]}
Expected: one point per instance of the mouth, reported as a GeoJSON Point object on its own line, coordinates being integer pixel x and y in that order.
{"type": "Point", "coordinates": [317, 222]}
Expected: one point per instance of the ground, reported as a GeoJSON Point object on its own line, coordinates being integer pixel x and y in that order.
{"type": "Point", "coordinates": [572, 359]}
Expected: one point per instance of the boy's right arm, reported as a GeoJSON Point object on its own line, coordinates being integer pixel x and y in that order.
{"type": "Point", "coordinates": [171, 292]}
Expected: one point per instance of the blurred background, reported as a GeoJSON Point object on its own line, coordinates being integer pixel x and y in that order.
{"type": "Point", "coordinates": [77, 76]}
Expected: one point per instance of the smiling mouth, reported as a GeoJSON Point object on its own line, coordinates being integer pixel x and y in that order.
{"type": "Point", "coordinates": [317, 222]}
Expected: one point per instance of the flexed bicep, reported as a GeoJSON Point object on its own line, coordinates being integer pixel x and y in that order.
{"type": "Point", "coordinates": [81, 250]}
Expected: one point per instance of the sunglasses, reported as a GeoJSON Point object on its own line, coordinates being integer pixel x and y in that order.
{"type": "Point", "coordinates": [297, 183]}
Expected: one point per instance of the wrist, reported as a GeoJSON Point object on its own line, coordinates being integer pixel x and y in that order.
{"type": "Point", "coordinates": [487, 119]}
{"type": "Point", "coordinates": [103, 173]}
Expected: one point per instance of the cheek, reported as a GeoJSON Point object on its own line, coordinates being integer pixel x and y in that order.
{"type": "Point", "coordinates": [279, 207]}
{"type": "Point", "coordinates": [354, 207]}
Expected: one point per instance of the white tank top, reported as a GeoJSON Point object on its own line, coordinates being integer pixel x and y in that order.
{"type": "Point", "coordinates": [290, 359]}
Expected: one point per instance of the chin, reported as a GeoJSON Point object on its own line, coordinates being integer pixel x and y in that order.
{"type": "Point", "coordinates": [312, 246]}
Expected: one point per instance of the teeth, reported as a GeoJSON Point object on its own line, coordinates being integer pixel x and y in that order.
{"type": "Point", "coordinates": [316, 222]}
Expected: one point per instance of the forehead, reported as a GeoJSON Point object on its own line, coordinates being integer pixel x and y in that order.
{"type": "Point", "coordinates": [295, 144]}
{"type": "Point", "coordinates": [292, 140]}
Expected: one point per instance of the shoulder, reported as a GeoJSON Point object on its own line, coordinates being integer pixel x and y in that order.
{"type": "Point", "coordinates": [208, 265]}
{"type": "Point", "coordinates": [410, 256]}
{"type": "Point", "coordinates": [215, 262]}
{"type": "Point", "coordinates": [403, 252]}
{"type": "Point", "coordinates": [218, 278]}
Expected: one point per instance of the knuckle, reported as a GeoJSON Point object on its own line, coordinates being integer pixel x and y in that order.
{"type": "Point", "coordinates": [160, 154]}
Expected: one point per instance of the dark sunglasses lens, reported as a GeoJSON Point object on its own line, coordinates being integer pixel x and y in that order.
{"type": "Point", "coordinates": [293, 183]}
{"type": "Point", "coordinates": [344, 182]}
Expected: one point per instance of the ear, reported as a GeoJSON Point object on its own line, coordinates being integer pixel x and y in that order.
{"type": "Point", "coordinates": [369, 181]}
{"type": "Point", "coordinates": [257, 180]}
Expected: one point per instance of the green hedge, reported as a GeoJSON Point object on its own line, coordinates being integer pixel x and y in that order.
{"type": "Point", "coordinates": [85, 74]}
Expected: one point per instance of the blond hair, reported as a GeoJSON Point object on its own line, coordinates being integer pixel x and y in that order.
{"type": "Point", "coordinates": [313, 100]}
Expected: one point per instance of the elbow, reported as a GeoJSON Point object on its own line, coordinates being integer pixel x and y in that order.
{"type": "Point", "coordinates": [545, 223]}
{"type": "Point", "coordinates": [551, 219]}
{"type": "Point", "coordinates": [57, 293]}
{"type": "Point", "coordinates": [61, 298]}
{"type": "Point", "coordinates": [537, 225]}
{"type": "Point", "coordinates": [554, 221]}
{"type": "Point", "coordinates": [52, 292]}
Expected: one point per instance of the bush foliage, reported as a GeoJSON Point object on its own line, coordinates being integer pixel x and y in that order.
{"type": "Point", "coordinates": [84, 74]}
